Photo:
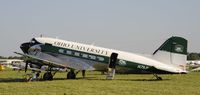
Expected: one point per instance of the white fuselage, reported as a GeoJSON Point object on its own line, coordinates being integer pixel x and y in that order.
{"type": "Point", "coordinates": [107, 52]}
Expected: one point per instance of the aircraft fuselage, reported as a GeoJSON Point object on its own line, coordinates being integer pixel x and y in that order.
{"type": "Point", "coordinates": [89, 57]}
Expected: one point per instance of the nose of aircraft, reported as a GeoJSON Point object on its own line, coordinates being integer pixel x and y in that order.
{"type": "Point", "coordinates": [24, 47]}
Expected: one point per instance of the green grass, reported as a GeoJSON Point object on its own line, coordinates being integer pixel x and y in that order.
{"type": "Point", "coordinates": [12, 83]}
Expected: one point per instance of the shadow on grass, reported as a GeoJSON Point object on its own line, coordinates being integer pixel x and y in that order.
{"type": "Point", "coordinates": [129, 79]}
{"type": "Point", "coordinates": [11, 80]}
{"type": "Point", "coordinates": [143, 79]}
{"type": "Point", "coordinates": [7, 80]}
{"type": "Point", "coordinates": [79, 78]}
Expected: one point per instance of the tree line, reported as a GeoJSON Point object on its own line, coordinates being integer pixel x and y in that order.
{"type": "Point", "coordinates": [193, 56]}
{"type": "Point", "coordinates": [11, 57]}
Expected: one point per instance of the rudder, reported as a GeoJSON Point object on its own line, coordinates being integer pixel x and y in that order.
{"type": "Point", "coordinates": [173, 51]}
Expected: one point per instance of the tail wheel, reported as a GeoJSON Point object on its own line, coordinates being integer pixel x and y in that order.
{"type": "Point", "coordinates": [48, 76]}
{"type": "Point", "coordinates": [157, 77]}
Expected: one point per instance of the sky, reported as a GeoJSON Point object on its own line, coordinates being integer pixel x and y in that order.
{"type": "Point", "coordinates": [138, 26]}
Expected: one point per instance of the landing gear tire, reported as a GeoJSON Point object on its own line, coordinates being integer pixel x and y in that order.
{"type": "Point", "coordinates": [48, 76]}
{"type": "Point", "coordinates": [71, 75]}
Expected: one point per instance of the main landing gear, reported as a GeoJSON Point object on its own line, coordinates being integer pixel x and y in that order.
{"type": "Point", "coordinates": [71, 74]}
{"type": "Point", "coordinates": [48, 76]}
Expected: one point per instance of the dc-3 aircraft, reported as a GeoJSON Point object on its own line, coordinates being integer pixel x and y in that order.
{"type": "Point", "coordinates": [169, 58]}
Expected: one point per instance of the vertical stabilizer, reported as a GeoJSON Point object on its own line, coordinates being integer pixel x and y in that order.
{"type": "Point", "coordinates": [173, 51]}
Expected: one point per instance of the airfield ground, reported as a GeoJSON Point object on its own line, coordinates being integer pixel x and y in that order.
{"type": "Point", "coordinates": [12, 83]}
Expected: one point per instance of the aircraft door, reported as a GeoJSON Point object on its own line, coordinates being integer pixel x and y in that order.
{"type": "Point", "coordinates": [113, 60]}
{"type": "Point", "coordinates": [111, 66]}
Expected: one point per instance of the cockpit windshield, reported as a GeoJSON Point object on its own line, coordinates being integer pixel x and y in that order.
{"type": "Point", "coordinates": [34, 41]}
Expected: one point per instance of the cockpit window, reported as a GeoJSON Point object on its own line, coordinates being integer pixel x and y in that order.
{"type": "Point", "coordinates": [34, 41]}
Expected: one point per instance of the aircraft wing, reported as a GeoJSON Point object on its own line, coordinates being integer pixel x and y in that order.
{"type": "Point", "coordinates": [55, 63]}
{"type": "Point", "coordinates": [43, 61]}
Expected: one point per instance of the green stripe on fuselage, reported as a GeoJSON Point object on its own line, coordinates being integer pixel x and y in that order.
{"type": "Point", "coordinates": [74, 53]}
{"type": "Point", "coordinates": [95, 57]}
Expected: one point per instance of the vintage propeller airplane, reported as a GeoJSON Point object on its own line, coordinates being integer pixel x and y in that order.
{"type": "Point", "coordinates": [169, 58]}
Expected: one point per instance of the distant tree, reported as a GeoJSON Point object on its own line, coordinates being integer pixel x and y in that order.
{"type": "Point", "coordinates": [1, 57]}
{"type": "Point", "coordinates": [11, 57]}
{"type": "Point", "coordinates": [14, 57]}
{"type": "Point", "coordinates": [193, 56]}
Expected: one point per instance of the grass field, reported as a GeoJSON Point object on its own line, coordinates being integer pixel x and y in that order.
{"type": "Point", "coordinates": [12, 83]}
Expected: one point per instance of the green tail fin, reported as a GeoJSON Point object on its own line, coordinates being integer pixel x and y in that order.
{"type": "Point", "coordinates": [174, 45]}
